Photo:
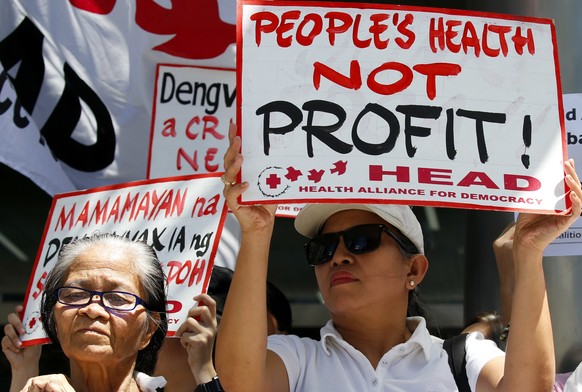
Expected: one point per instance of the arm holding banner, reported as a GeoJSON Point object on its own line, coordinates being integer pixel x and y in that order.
{"type": "Point", "coordinates": [23, 360]}
{"type": "Point", "coordinates": [503, 249]}
{"type": "Point", "coordinates": [241, 349]}
{"type": "Point", "coordinates": [530, 363]}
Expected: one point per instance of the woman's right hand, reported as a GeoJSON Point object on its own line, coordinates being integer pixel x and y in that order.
{"type": "Point", "coordinates": [251, 218]}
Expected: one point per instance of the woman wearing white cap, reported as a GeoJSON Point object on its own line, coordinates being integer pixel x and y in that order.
{"type": "Point", "coordinates": [367, 261]}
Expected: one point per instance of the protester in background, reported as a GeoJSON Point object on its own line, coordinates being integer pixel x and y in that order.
{"type": "Point", "coordinates": [197, 334]}
{"type": "Point", "coordinates": [503, 251]}
{"type": "Point", "coordinates": [104, 304]}
{"type": "Point", "coordinates": [490, 324]}
{"type": "Point", "coordinates": [176, 359]}
{"type": "Point", "coordinates": [368, 258]}
{"type": "Point", "coordinates": [495, 326]}
{"type": "Point", "coordinates": [279, 316]}
{"type": "Point", "coordinates": [504, 258]}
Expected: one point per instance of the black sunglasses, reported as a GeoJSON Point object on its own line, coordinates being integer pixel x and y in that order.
{"type": "Point", "coordinates": [357, 239]}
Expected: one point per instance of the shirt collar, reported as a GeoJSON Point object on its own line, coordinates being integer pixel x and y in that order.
{"type": "Point", "coordinates": [420, 336]}
{"type": "Point", "coordinates": [148, 383]}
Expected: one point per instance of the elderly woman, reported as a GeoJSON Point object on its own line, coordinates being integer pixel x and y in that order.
{"type": "Point", "coordinates": [104, 304]}
{"type": "Point", "coordinates": [196, 335]}
{"type": "Point", "coordinates": [368, 259]}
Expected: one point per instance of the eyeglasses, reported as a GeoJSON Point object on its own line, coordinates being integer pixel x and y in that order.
{"type": "Point", "coordinates": [110, 300]}
{"type": "Point", "coordinates": [357, 239]}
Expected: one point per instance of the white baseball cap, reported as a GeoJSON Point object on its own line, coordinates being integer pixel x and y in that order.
{"type": "Point", "coordinates": [311, 218]}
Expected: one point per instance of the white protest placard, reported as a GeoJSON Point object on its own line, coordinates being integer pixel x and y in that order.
{"type": "Point", "coordinates": [193, 107]}
{"type": "Point", "coordinates": [180, 217]}
{"type": "Point", "coordinates": [384, 103]}
{"type": "Point", "coordinates": [569, 243]}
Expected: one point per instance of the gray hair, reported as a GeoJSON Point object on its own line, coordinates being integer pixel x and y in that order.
{"type": "Point", "coordinates": [148, 269]}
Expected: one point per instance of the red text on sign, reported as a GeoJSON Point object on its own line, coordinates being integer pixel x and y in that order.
{"type": "Point", "coordinates": [188, 273]}
{"type": "Point", "coordinates": [39, 285]}
{"type": "Point", "coordinates": [354, 80]}
{"type": "Point", "coordinates": [208, 129]}
{"type": "Point", "coordinates": [365, 31]}
{"type": "Point", "coordinates": [438, 176]}
{"type": "Point", "coordinates": [454, 35]}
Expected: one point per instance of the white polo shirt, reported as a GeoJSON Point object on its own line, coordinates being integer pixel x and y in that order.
{"type": "Point", "coordinates": [419, 364]}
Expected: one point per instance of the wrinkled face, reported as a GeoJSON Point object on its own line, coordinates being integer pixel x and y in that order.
{"type": "Point", "coordinates": [91, 333]}
{"type": "Point", "coordinates": [349, 281]}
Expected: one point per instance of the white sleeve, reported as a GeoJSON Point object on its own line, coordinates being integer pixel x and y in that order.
{"type": "Point", "coordinates": [574, 382]}
{"type": "Point", "coordinates": [479, 351]}
{"type": "Point", "coordinates": [289, 349]}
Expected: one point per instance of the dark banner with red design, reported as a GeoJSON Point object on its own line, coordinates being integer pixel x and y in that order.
{"type": "Point", "coordinates": [77, 91]}
{"type": "Point", "coordinates": [77, 81]}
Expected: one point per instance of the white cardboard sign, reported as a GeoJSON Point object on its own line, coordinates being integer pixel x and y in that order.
{"type": "Point", "coordinates": [395, 104]}
{"type": "Point", "coordinates": [569, 243]}
{"type": "Point", "coordinates": [181, 217]}
{"type": "Point", "coordinates": [192, 109]}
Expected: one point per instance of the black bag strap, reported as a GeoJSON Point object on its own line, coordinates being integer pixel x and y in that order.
{"type": "Point", "coordinates": [455, 348]}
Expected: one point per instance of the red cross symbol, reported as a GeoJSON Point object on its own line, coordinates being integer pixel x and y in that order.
{"type": "Point", "coordinates": [32, 323]}
{"type": "Point", "coordinates": [273, 181]}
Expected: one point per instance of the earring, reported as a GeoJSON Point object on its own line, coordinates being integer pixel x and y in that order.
{"type": "Point", "coordinates": [412, 283]}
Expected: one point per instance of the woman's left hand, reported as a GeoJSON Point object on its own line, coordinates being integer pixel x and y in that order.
{"type": "Point", "coordinates": [22, 359]}
{"type": "Point", "coordinates": [535, 231]}
{"type": "Point", "coordinates": [48, 383]}
{"type": "Point", "coordinates": [197, 335]}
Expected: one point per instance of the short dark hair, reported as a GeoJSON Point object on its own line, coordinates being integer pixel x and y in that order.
{"type": "Point", "coordinates": [495, 324]}
{"type": "Point", "coordinates": [152, 278]}
{"type": "Point", "coordinates": [218, 287]}
{"type": "Point", "coordinates": [278, 305]}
